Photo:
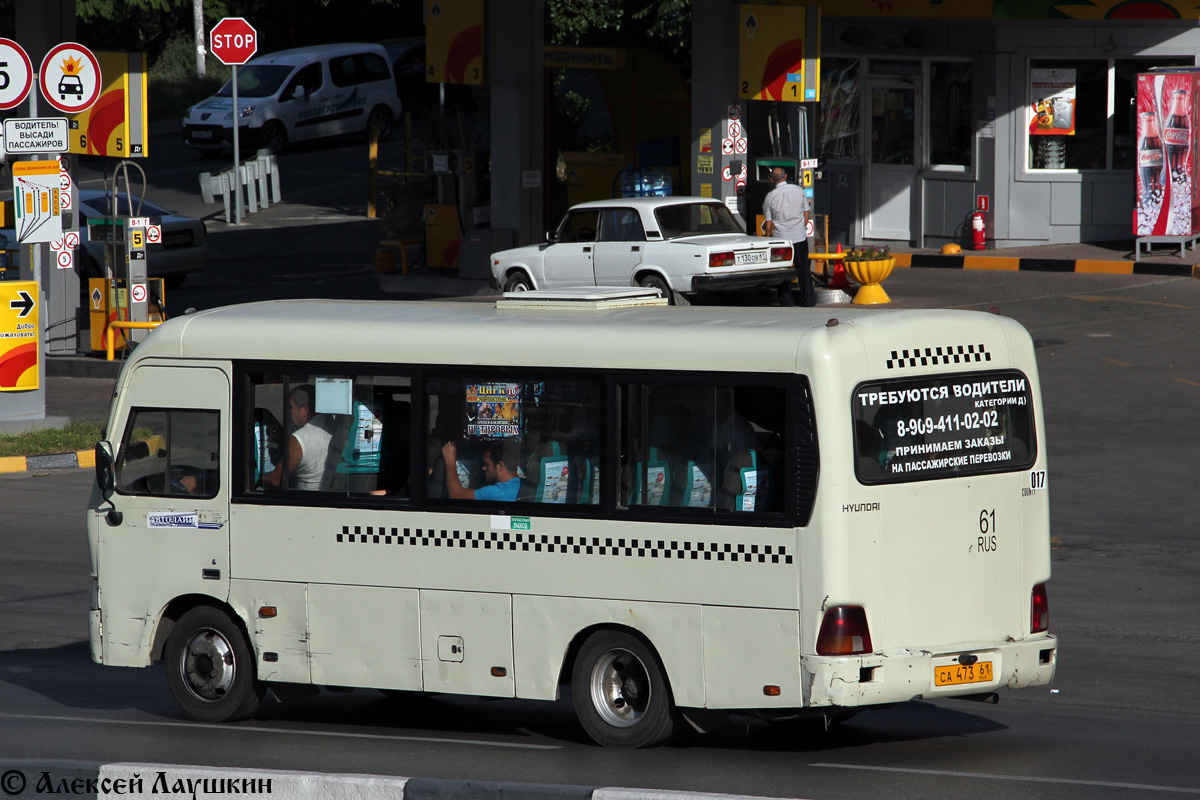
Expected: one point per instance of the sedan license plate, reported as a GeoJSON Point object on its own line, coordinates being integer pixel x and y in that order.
{"type": "Point", "coordinates": [956, 674]}
{"type": "Point", "coordinates": [201, 134]}
{"type": "Point", "coordinates": [751, 257]}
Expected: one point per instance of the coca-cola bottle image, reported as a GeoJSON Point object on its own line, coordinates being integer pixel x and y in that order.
{"type": "Point", "coordinates": [1150, 157]}
{"type": "Point", "coordinates": [1176, 134]}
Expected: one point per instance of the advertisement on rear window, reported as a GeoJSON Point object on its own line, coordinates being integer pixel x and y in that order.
{"type": "Point", "coordinates": [943, 426]}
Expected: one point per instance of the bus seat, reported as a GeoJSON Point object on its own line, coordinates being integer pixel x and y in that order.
{"type": "Point", "coordinates": [363, 448]}
{"type": "Point", "coordinates": [584, 484]}
{"type": "Point", "coordinates": [744, 486]}
{"type": "Point", "coordinates": [649, 484]}
{"type": "Point", "coordinates": [692, 486]}
{"type": "Point", "coordinates": [547, 474]}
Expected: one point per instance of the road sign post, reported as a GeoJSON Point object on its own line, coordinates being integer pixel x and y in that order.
{"type": "Point", "coordinates": [234, 42]}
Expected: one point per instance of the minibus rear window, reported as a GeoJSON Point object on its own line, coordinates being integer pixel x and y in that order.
{"type": "Point", "coordinates": [943, 426]}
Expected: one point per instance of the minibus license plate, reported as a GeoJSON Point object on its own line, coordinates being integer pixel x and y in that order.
{"type": "Point", "coordinates": [955, 674]}
{"type": "Point", "coordinates": [752, 257]}
{"type": "Point", "coordinates": [201, 134]}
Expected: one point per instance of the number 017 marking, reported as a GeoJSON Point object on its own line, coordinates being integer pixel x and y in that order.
{"type": "Point", "coordinates": [1037, 479]}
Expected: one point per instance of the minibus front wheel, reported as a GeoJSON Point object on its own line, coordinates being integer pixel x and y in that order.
{"type": "Point", "coordinates": [620, 692]}
{"type": "Point", "coordinates": [210, 669]}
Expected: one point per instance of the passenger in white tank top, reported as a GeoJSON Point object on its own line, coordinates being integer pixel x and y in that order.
{"type": "Point", "coordinates": [308, 445]}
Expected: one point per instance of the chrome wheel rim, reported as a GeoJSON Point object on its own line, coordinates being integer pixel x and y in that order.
{"type": "Point", "coordinates": [208, 666]}
{"type": "Point", "coordinates": [621, 689]}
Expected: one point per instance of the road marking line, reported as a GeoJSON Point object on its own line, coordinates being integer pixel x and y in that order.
{"type": "Point", "coordinates": [242, 729]}
{"type": "Point", "coordinates": [1118, 363]}
{"type": "Point", "coordinates": [1025, 778]}
{"type": "Point", "coordinates": [1091, 298]}
{"type": "Point", "coordinates": [1189, 383]}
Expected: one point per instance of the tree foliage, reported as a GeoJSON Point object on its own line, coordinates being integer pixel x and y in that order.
{"type": "Point", "coordinates": [148, 25]}
{"type": "Point", "coordinates": [662, 25]}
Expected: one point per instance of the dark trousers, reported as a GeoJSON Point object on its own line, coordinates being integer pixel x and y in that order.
{"type": "Point", "coordinates": [804, 294]}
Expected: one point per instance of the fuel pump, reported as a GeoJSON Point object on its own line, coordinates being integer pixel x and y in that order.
{"type": "Point", "coordinates": [125, 291]}
{"type": "Point", "coordinates": [778, 136]}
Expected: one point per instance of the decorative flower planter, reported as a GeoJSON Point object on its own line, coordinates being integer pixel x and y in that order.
{"type": "Point", "coordinates": [870, 274]}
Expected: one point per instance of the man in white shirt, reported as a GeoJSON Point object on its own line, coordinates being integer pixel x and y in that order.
{"type": "Point", "coordinates": [308, 446]}
{"type": "Point", "coordinates": [786, 212]}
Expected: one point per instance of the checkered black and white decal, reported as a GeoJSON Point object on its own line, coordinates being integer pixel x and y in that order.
{"type": "Point", "coordinates": [574, 545]}
{"type": "Point", "coordinates": [933, 356]}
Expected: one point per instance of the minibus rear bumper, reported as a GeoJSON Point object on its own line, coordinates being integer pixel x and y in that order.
{"type": "Point", "coordinates": [899, 676]}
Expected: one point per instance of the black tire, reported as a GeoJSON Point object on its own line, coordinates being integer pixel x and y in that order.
{"type": "Point", "coordinates": [272, 137]}
{"type": "Point", "coordinates": [381, 118]}
{"type": "Point", "coordinates": [210, 668]}
{"type": "Point", "coordinates": [620, 692]}
{"type": "Point", "coordinates": [518, 282]}
{"type": "Point", "coordinates": [656, 282]}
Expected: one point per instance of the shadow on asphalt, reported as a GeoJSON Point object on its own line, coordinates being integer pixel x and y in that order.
{"type": "Point", "coordinates": [67, 677]}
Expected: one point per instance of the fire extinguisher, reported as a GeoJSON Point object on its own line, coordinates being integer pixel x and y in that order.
{"type": "Point", "coordinates": [978, 233]}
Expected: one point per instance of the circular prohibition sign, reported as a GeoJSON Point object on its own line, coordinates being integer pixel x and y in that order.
{"type": "Point", "coordinates": [16, 74]}
{"type": "Point", "coordinates": [70, 78]}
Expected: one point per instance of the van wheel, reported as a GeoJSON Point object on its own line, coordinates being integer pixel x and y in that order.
{"type": "Point", "coordinates": [518, 282]}
{"type": "Point", "coordinates": [655, 282]}
{"type": "Point", "coordinates": [272, 137]}
{"type": "Point", "coordinates": [381, 119]}
{"type": "Point", "coordinates": [210, 670]}
{"type": "Point", "coordinates": [620, 692]}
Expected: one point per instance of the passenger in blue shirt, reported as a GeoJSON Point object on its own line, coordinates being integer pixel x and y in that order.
{"type": "Point", "coordinates": [503, 483]}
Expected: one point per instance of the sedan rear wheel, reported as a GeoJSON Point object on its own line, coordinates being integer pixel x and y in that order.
{"type": "Point", "coordinates": [656, 282]}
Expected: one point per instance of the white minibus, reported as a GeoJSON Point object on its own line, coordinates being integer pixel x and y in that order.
{"type": "Point", "coordinates": [663, 510]}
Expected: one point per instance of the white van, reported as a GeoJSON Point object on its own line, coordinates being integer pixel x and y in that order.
{"type": "Point", "coordinates": [293, 95]}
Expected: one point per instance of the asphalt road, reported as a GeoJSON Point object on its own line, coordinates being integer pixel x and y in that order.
{"type": "Point", "coordinates": [1121, 385]}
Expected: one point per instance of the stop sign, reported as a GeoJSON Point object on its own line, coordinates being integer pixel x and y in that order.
{"type": "Point", "coordinates": [233, 41]}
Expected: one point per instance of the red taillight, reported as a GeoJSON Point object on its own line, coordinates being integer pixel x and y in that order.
{"type": "Point", "coordinates": [1039, 616]}
{"type": "Point", "coordinates": [844, 632]}
{"type": "Point", "coordinates": [720, 259]}
{"type": "Point", "coordinates": [781, 254]}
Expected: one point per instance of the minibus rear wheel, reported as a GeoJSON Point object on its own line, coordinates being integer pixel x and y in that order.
{"type": "Point", "coordinates": [620, 692]}
{"type": "Point", "coordinates": [210, 669]}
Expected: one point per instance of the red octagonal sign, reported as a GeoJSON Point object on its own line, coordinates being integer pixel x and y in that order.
{"type": "Point", "coordinates": [233, 41]}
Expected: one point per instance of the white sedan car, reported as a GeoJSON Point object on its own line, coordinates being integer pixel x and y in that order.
{"type": "Point", "coordinates": [679, 245]}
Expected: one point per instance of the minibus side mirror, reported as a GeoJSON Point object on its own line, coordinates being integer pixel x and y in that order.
{"type": "Point", "coordinates": [298, 94]}
{"type": "Point", "coordinates": [106, 477]}
{"type": "Point", "coordinates": [551, 237]}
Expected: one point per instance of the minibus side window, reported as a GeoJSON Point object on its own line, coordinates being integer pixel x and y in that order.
{"type": "Point", "coordinates": [545, 432]}
{"type": "Point", "coordinates": [698, 446]}
{"type": "Point", "coordinates": [342, 434]}
{"type": "Point", "coordinates": [170, 452]}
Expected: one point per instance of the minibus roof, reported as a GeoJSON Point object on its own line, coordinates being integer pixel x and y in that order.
{"type": "Point", "coordinates": [737, 338]}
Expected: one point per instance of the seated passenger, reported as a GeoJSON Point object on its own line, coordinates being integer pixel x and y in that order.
{"type": "Point", "coordinates": [503, 483]}
{"type": "Point", "coordinates": [308, 446]}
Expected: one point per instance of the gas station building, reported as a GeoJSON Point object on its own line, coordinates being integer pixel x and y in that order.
{"type": "Point", "coordinates": [923, 113]}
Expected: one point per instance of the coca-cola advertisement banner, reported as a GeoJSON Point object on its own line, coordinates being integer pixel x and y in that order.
{"type": "Point", "coordinates": [1053, 107]}
{"type": "Point", "coordinates": [1167, 203]}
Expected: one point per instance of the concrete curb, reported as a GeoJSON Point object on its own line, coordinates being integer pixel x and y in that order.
{"type": "Point", "coordinates": [80, 459]}
{"type": "Point", "coordinates": [1013, 264]}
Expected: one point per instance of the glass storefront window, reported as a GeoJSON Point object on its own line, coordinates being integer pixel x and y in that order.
{"type": "Point", "coordinates": [950, 113]}
{"type": "Point", "coordinates": [837, 124]}
{"type": "Point", "coordinates": [1089, 147]}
